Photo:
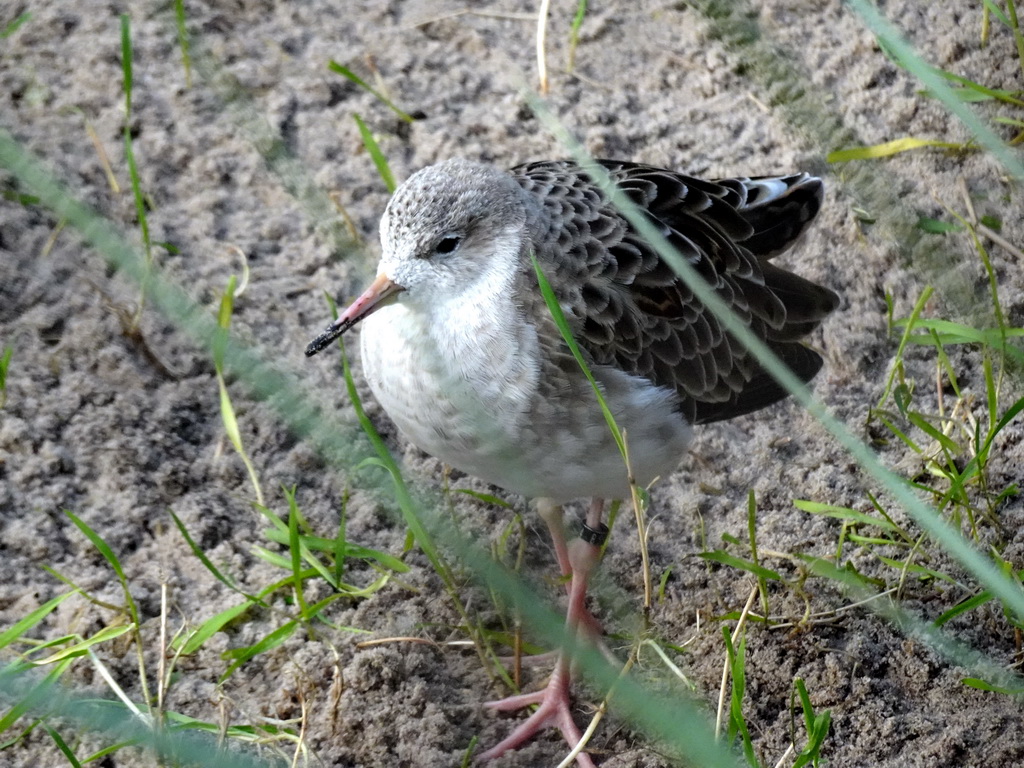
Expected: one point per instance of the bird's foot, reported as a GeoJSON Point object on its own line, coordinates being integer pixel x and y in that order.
{"type": "Point", "coordinates": [554, 708]}
{"type": "Point", "coordinates": [554, 712]}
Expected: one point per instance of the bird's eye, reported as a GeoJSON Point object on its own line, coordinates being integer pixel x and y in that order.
{"type": "Point", "coordinates": [447, 244]}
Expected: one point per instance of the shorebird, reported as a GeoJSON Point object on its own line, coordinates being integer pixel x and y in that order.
{"type": "Point", "coordinates": [461, 351]}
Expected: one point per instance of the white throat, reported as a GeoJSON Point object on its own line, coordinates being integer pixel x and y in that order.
{"type": "Point", "coordinates": [458, 373]}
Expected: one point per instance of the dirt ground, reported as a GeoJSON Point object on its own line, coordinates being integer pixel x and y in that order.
{"type": "Point", "coordinates": [119, 432]}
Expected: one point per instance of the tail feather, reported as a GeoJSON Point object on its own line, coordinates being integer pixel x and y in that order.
{"type": "Point", "coordinates": [806, 303]}
{"type": "Point", "coordinates": [762, 390]}
{"type": "Point", "coordinates": [779, 209]}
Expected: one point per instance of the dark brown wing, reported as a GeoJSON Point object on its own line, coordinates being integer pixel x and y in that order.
{"type": "Point", "coordinates": [629, 309]}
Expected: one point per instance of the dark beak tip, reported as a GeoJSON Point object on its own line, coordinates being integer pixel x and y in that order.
{"type": "Point", "coordinates": [332, 332]}
{"type": "Point", "coordinates": [320, 342]}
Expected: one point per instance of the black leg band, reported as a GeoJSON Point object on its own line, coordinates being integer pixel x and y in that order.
{"type": "Point", "coordinates": [595, 536]}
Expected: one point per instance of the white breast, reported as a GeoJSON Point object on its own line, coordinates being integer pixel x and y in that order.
{"type": "Point", "coordinates": [458, 383]}
{"type": "Point", "coordinates": [469, 399]}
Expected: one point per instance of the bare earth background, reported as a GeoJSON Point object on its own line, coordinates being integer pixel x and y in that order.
{"type": "Point", "coordinates": [95, 426]}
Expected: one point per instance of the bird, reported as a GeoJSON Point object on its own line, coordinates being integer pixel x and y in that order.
{"type": "Point", "coordinates": [460, 349]}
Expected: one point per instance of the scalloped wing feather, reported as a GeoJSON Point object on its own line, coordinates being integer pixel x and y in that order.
{"type": "Point", "coordinates": [627, 307]}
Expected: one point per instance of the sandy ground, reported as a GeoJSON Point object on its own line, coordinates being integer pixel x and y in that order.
{"type": "Point", "coordinates": [94, 425]}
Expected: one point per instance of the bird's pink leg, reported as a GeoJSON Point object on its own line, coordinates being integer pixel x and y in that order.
{"type": "Point", "coordinates": [555, 710]}
{"type": "Point", "coordinates": [552, 515]}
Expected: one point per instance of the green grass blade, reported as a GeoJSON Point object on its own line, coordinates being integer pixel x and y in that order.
{"type": "Point", "coordinates": [183, 40]}
{"type": "Point", "coordinates": [805, 703]}
{"type": "Point", "coordinates": [982, 455]}
{"type": "Point", "coordinates": [376, 154]}
{"type": "Point", "coordinates": [817, 728]}
{"type": "Point", "coordinates": [844, 513]}
{"type": "Point", "coordinates": [964, 606]}
{"type": "Point", "coordinates": [563, 327]}
{"type": "Point", "coordinates": [346, 548]}
{"type": "Point", "coordinates": [933, 432]}
{"type": "Point", "coordinates": [14, 25]}
{"type": "Point", "coordinates": [353, 77]}
{"type": "Point", "coordinates": [574, 33]}
{"type": "Point", "coordinates": [981, 92]}
{"type": "Point", "coordinates": [724, 558]}
{"type": "Point", "coordinates": [409, 512]}
{"type": "Point", "coordinates": [919, 570]}
{"type": "Point", "coordinates": [197, 638]}
{"type": "Point", "coordinates": [937, 227]}
{"type": "Point", "coordinates": [5, 364]}
{"type": "Point", "coordinates": [240, 656]}
{"type": "Point", "coordinates": [126, 61]}
{"type": "Point", "coordinates": [295, 552]}
{"type": "Point", "coordinates": [101, 546]}
{"type": "Point", "coordinates": [996, 11]}
{"type": "Point", "coordinates": [738, 673]}
{"type": "Point", "coordinates": [198, 552]}
{"type": "Point", "coordinates": [129, 150]}
{"type": "Point", "coordinates": [486, 498]}
{"type": "Point", "coordinates": [910, 322]}
{"type": "Point", "coordinates": [983, 685]}
{"type": "Point", "coordinates": [82, 647]}
{"type": "Point", "coordinates": [1018, 38]}
{"type": "Point", "coordinates": [24, 624]}
{"type": "Point", "coordinates": [63, 747]}
{"type": "Point", "coordinates": [887, 149]}
{"type": "Point", "coordinates": [98, 755]}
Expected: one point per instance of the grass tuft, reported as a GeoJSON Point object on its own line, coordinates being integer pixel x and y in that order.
{"type": "Point", "coordinates": [817, 726]}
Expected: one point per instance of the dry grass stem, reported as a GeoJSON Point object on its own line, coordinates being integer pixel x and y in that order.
{"type": "Point", "coordinates": [542, 28]}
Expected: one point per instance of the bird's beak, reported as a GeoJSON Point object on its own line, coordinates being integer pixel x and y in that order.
{"type": "Point", "coordinates": [380, 293]}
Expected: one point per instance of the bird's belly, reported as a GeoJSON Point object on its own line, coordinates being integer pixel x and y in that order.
{"type": "Point", "coordinates": [583, 458]}
{"type": "Point", "coordinates": [426, 392]}
{"type": "Point", "coordinates": [559, 447]}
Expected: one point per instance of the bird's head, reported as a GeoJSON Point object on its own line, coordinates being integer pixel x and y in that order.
{"type": "Point", "coordinates": [447, 226]}
{"type": "Point", "coordinates": [450, 231]}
